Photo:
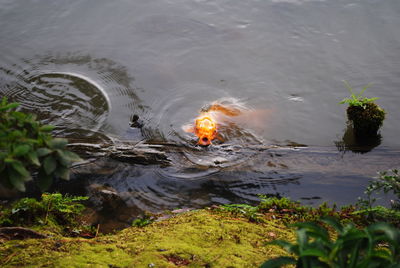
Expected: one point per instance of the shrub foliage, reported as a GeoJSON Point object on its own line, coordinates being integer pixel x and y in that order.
{"type": "Point", "coordinates": [377, 245]}
{"type": "Point", "coordinates": [55, 211]}
{"type": "Point", "coordinates": [27, 148]}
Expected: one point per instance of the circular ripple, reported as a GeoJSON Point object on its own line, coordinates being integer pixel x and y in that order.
{"type": "Point", "coordinates": [170, 114]}
{"type": "Point", "coordinates": [72, 92]}
{"type": "Point", "coordinates": [65, 100]}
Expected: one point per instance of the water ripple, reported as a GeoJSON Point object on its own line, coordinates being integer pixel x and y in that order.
{"type": "Point", "coordinates": [72, 91]}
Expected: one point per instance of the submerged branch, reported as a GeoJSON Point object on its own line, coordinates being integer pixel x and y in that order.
{"type": "Point", "coordinates": [135, 153]}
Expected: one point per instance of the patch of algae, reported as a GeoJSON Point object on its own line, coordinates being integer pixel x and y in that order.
{"type": "Point", "coordinates": [201, 238]}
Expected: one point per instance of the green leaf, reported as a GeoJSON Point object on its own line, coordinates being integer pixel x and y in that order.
{"type": "Point", "coordinates": [19, 167]}
{"type": "Point", "coordinates": [289, 247]}
{"type": "Point", "coordinates": [49, 164]}
{"type": "Point", "coordinates": [382, 254]}
{"type": "Point", "coordinates": [9, 106]}
{"type": "Point", "coordinates": [21, 150]}
{"type": "Point", "coordinates": [43, 152]}
{"type": "Point", "coordinates": [63, 158]}
{"type": "Point", "coordinates": [57, 143]}
{"type": "Point", "coordinates": [334, 223]}
{"type": "Point", "coordinates": [278, 262]}
{"type": "Point", "coordinates": [62, 172]}
{"type": "Point", "coordinates": [314, 230]}
{"type": "Point", "coordinates": [314, 252]}
{"type": "Point", "coordinates": [302, 238]}
{"type": "Point", "coordinates": [72, 156]}
{"type": "Point", "coordinates": [33, 158]}
{"type": "Point", "coordinates": [46, 128]}
{"type": "Point", "coordinates": [9, 160]}
{"type": "Point", "coordinates": [362, 91]}
{"type": "Point", "coordinates": [381, 227]}
{"type": "Point", "coordinates": [16, 180]}
{"type": "Point", "coordinates": [44, 181]}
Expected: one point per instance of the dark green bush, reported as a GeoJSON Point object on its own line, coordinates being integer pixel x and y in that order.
{"type": "Point", "coordinates": [377, 245]}
{"type": "Point", "coordinates": [27, 148]}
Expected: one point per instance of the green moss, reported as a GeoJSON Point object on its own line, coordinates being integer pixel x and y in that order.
{"type": "Point", "coordinates": [201, 238]}
{"type": "Point", "coordinates": [366, 120]}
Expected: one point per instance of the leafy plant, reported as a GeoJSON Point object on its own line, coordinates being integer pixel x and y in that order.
{"type": "Point", "coordinates": [52, 210]}
{"type": "Point", "coordinates": [357, 99]}
{"type": "Point", "coordinates": [291, 211]}
{"type": "Point", "coordinates": [388, 181]}
{"type": "Point", "coordinates": [365, 116]}
{"type": "Point", "coordinates": [247, 211]}
{"type": "Point", "coordinates": [288, 211]}
{"type": "Point", "coordinates": [377, 245]}
{"type": "Point", "coordinates": [143, 221]}
{"type": "Point", "coordinates": [27, 148]}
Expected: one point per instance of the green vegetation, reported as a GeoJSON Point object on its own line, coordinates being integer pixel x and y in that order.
{"type": "Point", "coordinates": [377, 245]}
{"type": "Point", "coordinates": [365, 116]}
{"type": "Point", "coordinates": [54, 212]}
{"type": "Point", "coordinates": [202, 238]}
{"type": "Point", "coordinates": [388, 181]}
{"type": "Point", "coordinates": [366, 121]}
{"type": "Point", "coordinates": [357, 99]}
{"type": "Point", "coordinates": [232, 235]}
{"type": "Point", "coordinates": [143, 221]}
{"type": "Point", "coordinates": [27, 147]}
{"type": "Point", "coordinates": [288, 211]}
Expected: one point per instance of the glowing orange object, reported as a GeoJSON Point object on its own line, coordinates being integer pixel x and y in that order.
{"type": "Point", "coordinates": [206, 129]}
{"type": "Point", "coordinates": [206, 126]}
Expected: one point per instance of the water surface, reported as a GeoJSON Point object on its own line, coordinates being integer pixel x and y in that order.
{"type": "Point", "coordinates": [88, 66]}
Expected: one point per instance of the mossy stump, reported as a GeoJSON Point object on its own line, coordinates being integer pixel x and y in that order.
{"type": "Point", "coordinates": [367, 119]}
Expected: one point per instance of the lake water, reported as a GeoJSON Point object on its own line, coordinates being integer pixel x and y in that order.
{"type": "Point", "coordinates": [88, 66]}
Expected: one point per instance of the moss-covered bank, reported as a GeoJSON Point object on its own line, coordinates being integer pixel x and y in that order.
{"type": "Point", "coordinates": [202, 238]}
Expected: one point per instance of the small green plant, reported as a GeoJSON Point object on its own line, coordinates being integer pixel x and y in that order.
{"type": "Point", "coordinates": [27, 148]}
{"type": "Point", "coordinates": [388, 181]}
{"type": "Point", "coordinates": [357, 99]}
{"type": "Point", "coordinates": [54, 210]}
{"type": "Point", "coordinates": [146, 219]}
{"type": "Point", "coordinates": [247, 211]}
{"type": "Point", "coordinates": [291, 211]}
{"type": "Point", "coordinates": [377, 245]}
{"type": "Point", "coordinates": [287, 211]}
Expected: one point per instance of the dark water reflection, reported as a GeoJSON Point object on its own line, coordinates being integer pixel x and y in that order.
{"type": "Point", "coordinates": [89, 66]}
{"type": "Point", "coordinates": [357, 144]}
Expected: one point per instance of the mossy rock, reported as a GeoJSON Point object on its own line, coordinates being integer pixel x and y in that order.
{"type": "Point", "coordinates": [366, 119]}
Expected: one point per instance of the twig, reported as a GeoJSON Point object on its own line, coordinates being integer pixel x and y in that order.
{"type": "Point", "coordinates": [47, 212]}
{"type": "Point", "coordinates": [97, 231]}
